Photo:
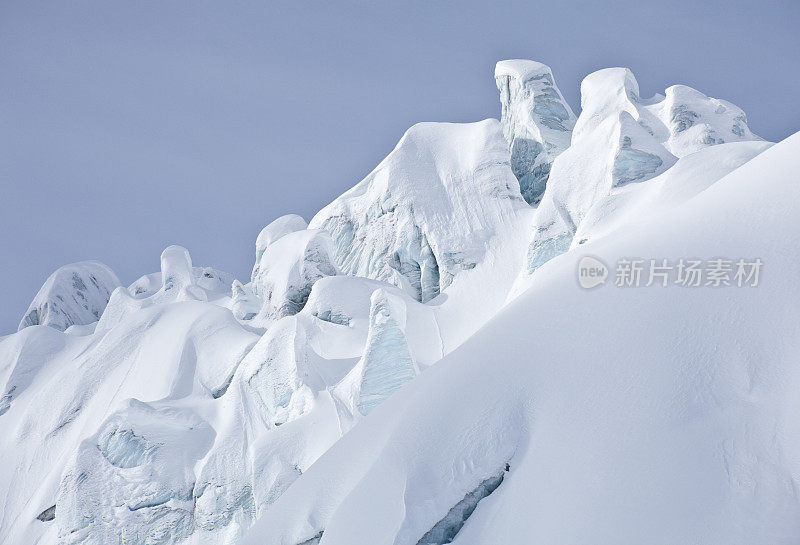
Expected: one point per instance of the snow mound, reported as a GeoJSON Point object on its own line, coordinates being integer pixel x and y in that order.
{"type": "Point", "coordinates": [537, 122]}
{"type": "Point", "coordinates": [74, 294]}
{"type": "Point", "coordinates": [428, 211]}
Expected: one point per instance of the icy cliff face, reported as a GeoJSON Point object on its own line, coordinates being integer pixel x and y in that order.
{"type": "Point", "coordinates": [429, 210]}
{"type": "Point", "coordinates": [621, 139]}
{"type": "Point", "coordinates": [537, 122]}
{"type": "Point", "coordinates": [387, 363]}
{"type": "Point", "coordinates": [74, 294]}
{"type": "Point", "coordinates": [370, 383]}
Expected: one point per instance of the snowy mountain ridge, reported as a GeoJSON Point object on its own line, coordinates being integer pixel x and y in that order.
{"type": "Point", "coordinates": [418, 365]}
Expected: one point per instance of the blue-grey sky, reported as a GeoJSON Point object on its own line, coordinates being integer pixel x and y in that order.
{"type": "Point", "coordinates": [129, 126]}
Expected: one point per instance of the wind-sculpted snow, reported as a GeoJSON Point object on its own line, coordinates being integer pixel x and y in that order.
{"type": "Point", "coordinates": [288, 269]}
{"type": "Point", "coordinates": [621, 139]}
{"type": "Point", "coordinates": [181, 351]}
{"type": "Point", "coordinates": [429, 210]}
{"type": "Point", "coordinates": [683, 120]}
{"type": "Point", "coordinates": [74, 294]}
{"type": "Point", "coordinates": [394, 373]}
{"type": "Point", "coordinates": [284, 225]}
{"type": "Point", "coordinates": [177, 281]}
{"type": "Point", "coordinates": [688, 177]}
{"type": "Point", "coordinates": [278, 372]}
{"type": "Point", "coordinates": [537, 122]}
{"type": "Point", "coordinates": [342, 308]}
{"type": "Point", "coordinates": [170, 421]}
{"type": "Point", "coordinates": [620, 425]}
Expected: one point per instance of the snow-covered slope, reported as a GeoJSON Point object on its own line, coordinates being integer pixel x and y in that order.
{"type": "Point", "coordinates": [417, 365]}
{"type": "Point", "coordinates": [651, 415]}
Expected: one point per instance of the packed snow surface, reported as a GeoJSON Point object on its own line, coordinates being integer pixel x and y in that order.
{"type": "Point", "coordinates": [418, 364]}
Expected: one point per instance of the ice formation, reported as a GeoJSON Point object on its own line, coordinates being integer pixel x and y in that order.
{"type": "Point", "coordinates": [412, 368]}
{"type": "Point", "coordinates": [429, 210]}
{"type": "Point", "coordinates": [674, 427]}
{"type": "Point", "coordinates": [448, 528]}
{"type": "Point", "coordinates": [387, 362]}
{"type": "Point", "coordinates": [288, 268]}
{"type": "Point", "coordinates": [284, 225]}
{"type": "Point", "coordinates": [537, 122]}
{"type": "Point", "coordinates": [621, 139]}
{"type": "Point", "coordinates": [74, 294]}
{"type": "Point", "coordinates": [144, 451]}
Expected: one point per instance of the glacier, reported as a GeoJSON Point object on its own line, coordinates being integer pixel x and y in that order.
{"type": "Point", "coordinates": [417, 364]}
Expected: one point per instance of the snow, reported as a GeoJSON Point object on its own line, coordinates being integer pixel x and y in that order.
{"type": "Point", "coordinates": [683, 119]}
{"type": "Point", "coordinates": [288, 269]}
{"type": "Point", "coordinates": [429, 210]}
{"type": "Point", "coordinates": [74, 294]}
{"type": "Point", "coordinates": [621, 139]}
{"type": "Point", "coordinates": [284, 225]}
{"type": "Point", "coordinates": [688, 177]}
{"type": "Point", "coordinates": [387, 362]}
{"type": "Point", "coordinates": [537, 122]}
{"type": "Point", "coordinates": [143, 452]}
{"type": "Point", "coordinates": [418, 364]}
{"type": "Point", "coordinates": [177, 281]}
{"type": "Point", "coordinates": [619, 424]}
